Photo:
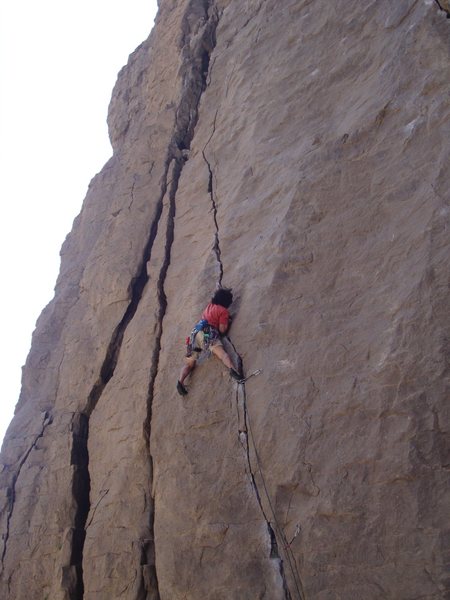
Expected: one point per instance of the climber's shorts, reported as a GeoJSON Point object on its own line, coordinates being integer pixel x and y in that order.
{"type": "Point", "coordinates": [199, 345]}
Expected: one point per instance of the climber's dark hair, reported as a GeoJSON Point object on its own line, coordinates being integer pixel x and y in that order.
{"type": "Point", "coordinates": [223, 297]}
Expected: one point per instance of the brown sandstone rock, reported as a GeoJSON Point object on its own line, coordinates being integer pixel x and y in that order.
{"type": "Point", "coordinates": [297, 152]}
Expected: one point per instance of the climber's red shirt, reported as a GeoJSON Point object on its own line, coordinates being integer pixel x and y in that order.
{"type": "Point", "coordinates": [216, 315]}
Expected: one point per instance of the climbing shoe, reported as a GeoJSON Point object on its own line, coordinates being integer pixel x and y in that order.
{"type": "Point", "coordinates": [235, 375]}
{"type": "Point", "coordinates": [181, 389]}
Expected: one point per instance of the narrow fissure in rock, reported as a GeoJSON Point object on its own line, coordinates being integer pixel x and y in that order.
{"type": "Point", "coordinates": [73, 576]}
{"type": "Point", "coordinates": [80, 427]}
{"type": "Point", "coordinates": [274, 548]}
{"type": "Point", "coordinates": [136, 290]}
{"type": "Point", "coordinates": [149, 578]}
{"type": "Point", "coordinates": [443, 8]}
{"type": "Point", "coordinates": [216, 246]}
{"type": "Point", "coordinates": [195, 68]}
{"type": "Point", "coordinates": [194, 84]}
{"type": "Point", "coordinates": [11, 491]}
{"type": "Point", "coordinates": [244, 433]}
{"type": "Point", "coordinates": [275, 554]}
{"type": "Point", "coordinates": [149, 587]}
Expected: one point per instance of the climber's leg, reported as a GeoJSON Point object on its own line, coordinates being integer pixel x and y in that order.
{"type": "Point", "coordinates": [188, 368]}
{"type": "Point", "coordinates": [219, 351]}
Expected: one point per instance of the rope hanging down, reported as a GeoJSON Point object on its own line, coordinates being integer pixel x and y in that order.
{"type": "Point", "coordinates": [286, 545]}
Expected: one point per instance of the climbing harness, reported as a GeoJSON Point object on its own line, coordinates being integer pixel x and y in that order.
{"type": "Point", "coordinates": [209, 333]}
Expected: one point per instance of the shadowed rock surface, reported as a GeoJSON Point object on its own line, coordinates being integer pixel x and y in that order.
{"type": "Point", "coordinates": [296, 151]}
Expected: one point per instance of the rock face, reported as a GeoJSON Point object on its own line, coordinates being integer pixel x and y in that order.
{"type": "Point", "coordinates": [296, 151]}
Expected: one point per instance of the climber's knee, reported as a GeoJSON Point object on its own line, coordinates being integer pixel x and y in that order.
{"type": "Point", "coordinates": [190, 361]}
{"type": "Point", "coordinates": [222, 354]}
{"type": "Point", "coordinates": [219, 351]}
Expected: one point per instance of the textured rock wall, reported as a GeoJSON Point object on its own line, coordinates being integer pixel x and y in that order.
{"type": "Point", "coordinates": [297, 152]}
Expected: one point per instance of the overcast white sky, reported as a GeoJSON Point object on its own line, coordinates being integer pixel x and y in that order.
{"type": "Point", "coordinates": [58, 65]}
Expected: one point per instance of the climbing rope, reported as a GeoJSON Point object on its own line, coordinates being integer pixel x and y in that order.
{"type": "Point", "coordinates": [286, 545]}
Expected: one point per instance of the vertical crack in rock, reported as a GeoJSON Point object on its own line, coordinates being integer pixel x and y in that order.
{"type": "Point", "coordinates": [149, 587]}
{"type": "Point", "coordinates": [196, 52]}
{"type": "Point", "coordinates": [443, 7]}
{"type": "Point", "coordinates": [274, 527]}
{"type": "Point", "coordinates": [11, 491]}
{"type": "Point", "coordinates": [216, 246]}
{"type": "Point", "coordinates": [79, 459]}
{"type": "Point", "coordinates": [274, 553]}
{"type": "Point", "coordinates": [195, 68]}
{"type": "Point", "coordinates": [81, 483]}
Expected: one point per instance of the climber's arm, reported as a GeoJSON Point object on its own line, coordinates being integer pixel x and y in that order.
{"type": "Point", "coordinates": [224, 320]}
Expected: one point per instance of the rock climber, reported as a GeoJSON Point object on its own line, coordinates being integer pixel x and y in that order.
{"type": "Point", "coordinates": [206, 335]}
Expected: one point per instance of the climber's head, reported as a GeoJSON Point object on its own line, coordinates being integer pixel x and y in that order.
{"type": "Point", "coordinates": [223, 296]}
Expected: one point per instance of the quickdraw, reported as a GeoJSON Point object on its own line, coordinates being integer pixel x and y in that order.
{"type": "Point", "coordinates": [244, 379]}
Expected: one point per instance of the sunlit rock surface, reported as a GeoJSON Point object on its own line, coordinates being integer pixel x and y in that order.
{"type": "Point", "coordinates": [297, 152]}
